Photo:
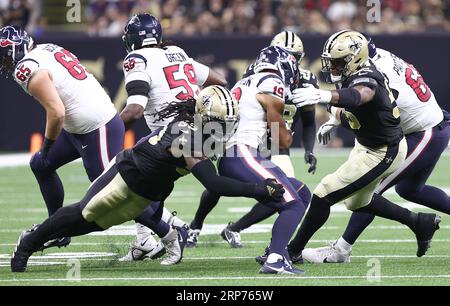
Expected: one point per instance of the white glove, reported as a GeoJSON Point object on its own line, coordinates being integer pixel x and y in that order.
{"type": "Point", "coordinates": [309, 96]}
{"type": "Point", "coordinates": [324, 133]}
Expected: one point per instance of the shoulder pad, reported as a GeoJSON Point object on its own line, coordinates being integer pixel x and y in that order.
{"type": "Point", "coordinates": [271, 83]}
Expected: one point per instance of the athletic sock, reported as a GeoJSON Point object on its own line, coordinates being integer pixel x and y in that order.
{"type": "Point", "coordinates": [358, 222]}
{"type": "Point", "coordinates": [208, 201]}
{"type": "Point", "coordinates": [258, 213]}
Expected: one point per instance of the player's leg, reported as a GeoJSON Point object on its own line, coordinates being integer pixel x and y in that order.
{"type": "Point", "coordinates": [69, 220]}
{"type": "Point", "coordinates": [413, 187]}
{"type": "Point", "coordinates": [98, 147]}
{"type": "Point", "coordinates": [358, 178]}
{"type": "Point", "coordinates": [249, 166]}
{"type": "Point", "coordinates": [44, 169]}
{"type": "Point", "coordinates": [260, 212]}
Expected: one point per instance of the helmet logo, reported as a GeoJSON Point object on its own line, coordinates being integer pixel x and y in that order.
{"type": "Point", "coordinates": [5, 43]}
{"type": "Point", "coordinates": [355, 46]}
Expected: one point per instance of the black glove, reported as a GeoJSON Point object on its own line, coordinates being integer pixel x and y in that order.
{"type": "Point", "coordinates": [311, 160]}
{"type": "Point", "coordinates": [46, 146]}
{"type": "Point", "coordinates": [269, 190]}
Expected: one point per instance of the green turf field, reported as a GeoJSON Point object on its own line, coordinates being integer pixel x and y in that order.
{"type": "Point", "coordinates": [387, 245]}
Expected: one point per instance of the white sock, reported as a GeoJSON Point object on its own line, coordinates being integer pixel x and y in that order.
{"type": "Point", "coordinates": [169, 235]}
{"type": "Point", "coordinates": [344, 245]}
{"type": "Point", "coordinates": [142, 231]}
{"type": "Point", "coordinates": [274, 257]}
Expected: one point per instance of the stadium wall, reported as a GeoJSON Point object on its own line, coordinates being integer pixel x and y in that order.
{"type": "Point", "coordinates": [21, 116]}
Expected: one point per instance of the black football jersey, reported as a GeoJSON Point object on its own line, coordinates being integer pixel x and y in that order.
{"type": "Point", "coordinates": [149, 169]}
{"type": "Point", "coordinates": [376, 123]}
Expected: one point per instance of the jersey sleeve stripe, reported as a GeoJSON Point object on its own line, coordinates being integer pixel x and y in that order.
{"type": "Point", "coordinates": [137, 56]}
{"type": "Point", "coordinates": [270, 76]}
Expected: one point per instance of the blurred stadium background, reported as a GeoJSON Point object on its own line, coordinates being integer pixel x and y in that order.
{"type": "Point", "coordinates": [225, 34]}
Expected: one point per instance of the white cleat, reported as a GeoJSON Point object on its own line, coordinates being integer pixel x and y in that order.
{"type": "Point", "coordinates": [192, 239]}
{"type": "Point", "coordinates": [174, 243]}
{"type": "Point", "coordinates": [145, 248]}
{"type": "Point", "coordinates": [330, 254]}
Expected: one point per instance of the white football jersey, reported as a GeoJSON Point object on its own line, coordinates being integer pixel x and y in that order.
{"type": "Point", "coordinates": [252, 129]}
{"type": "Point", "coordinates": [173, 76]}
{"type": "Point", "coordinates": [87, 105]}
{"type": "Point", "coordinates": [419, 109]}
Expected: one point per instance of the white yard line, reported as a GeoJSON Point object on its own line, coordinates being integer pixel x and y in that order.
{"type": "Point", "coordinates": [331, 277]}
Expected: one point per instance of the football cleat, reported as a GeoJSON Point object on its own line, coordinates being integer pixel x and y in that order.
{"type": "Point", "coordinates": [192, 239]}
{"type": "Point", "coordinates": [148, 248]}
{"type": "Point", "coordinates": [261, 259]}
{"type": "Point", "coordinates": [22, 253]}
{"type": "Point", "coordinates": [59, 242]}
{"type": "Point", "coordinates": [282, 266]}
{"type": "Point", "coordinates": [174, 243]}
{"type": "Point", "coordinates": [427, 225]}
{"type": "Point", "coordinates": [233, 238]}
{"type": "Point", "coordinates": [296, 257]}
{"type": "Point", "coordinates": [329, 254]}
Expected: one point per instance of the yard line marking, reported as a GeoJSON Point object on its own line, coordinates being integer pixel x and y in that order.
{"type": "Point", "coordinates": [245, 241]}
{"type": "Point", "coordinates": [109, 279]}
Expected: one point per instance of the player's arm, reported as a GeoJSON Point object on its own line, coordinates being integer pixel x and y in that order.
{"type": "Point", "coordinates": [207, 76]}
{"type": "Point", "coordinates": [42, 88]}
{"type": "Point", "coordinates": [205, 171]}
{"type": "Point", "coordinates": [274, 107]}
{"type": "Point", "coordinates": [138, 87]}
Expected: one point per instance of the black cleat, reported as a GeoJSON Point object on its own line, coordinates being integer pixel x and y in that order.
{"type": "Point", "coordinates": [22, 253]}
{"type": "Point", "coordinates": [296, 258]}
{"type": "Point", "coordinates": [262, 258]}
{"type": "Point", "coordinates": [59, 242]}
{"type": "Point", "coordinates": [427, 225]}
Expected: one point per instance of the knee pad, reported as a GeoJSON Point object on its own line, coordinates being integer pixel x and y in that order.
{"type": "Point", "coordinates": [302, 190]}
{"type": "Point", "coordinates": [40, 166]}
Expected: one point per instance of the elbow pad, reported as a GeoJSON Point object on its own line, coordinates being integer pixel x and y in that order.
{"type": "Point", "coordinates": [138, 88]}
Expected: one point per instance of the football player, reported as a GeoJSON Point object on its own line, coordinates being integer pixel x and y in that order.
{"type": "Point", "coordinates": [157, 73]}
{"type": "Point", "coordinates": [427, 134]}
{"type": "Point", "coordinates": [148, 172]}
{"type": "Point", "coordinates": [261, 98]}
{"type": "Point", "coordinates": [81, 120]}
{"type": "Point", "coordinates": [292, 43]}
{"type": "Point", "coordinates": [365, 104]}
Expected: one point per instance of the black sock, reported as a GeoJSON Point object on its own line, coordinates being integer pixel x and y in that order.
{"type": "Point", "coordinates": [65, 222]}
{"type": "Point", "coordinates": [384, 208]}
{"type": "Point", "coordinates": [318, 214]}
{"type": "Point", "coordinates": [208, 201]}
{"type": "Point", "coordinates": [258, 213]}
{"type": "Point", "coordinates": [359, 221]}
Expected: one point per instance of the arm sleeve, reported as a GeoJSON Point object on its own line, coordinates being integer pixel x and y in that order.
{"type": "Point", "coordinates": [272, 84]}
{"type": "Point", "coordinates": [24, 72]}
{"type": "Point", "coordinates": [206, 173]}
{"type": "Point", "coordinates": [309, 129]}
{"type": "Point", "coordinates": [201, 72]}
{"type": "Point", "coordinates": [137, 80]}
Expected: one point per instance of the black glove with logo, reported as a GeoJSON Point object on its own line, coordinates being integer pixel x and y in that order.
{"type": "Point", "coordinates": [269, 190]}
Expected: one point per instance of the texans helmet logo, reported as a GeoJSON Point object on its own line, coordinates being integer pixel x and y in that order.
{"type": "Point", "coordinates": [10, 37]}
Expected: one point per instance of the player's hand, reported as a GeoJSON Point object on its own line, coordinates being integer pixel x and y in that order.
{"type": "Point", "coordinates": [311, 160]}
{"type": "Point", "coordinates": [310, 96]}
{"type": "Point", "coordinates": [269, 190]}
{"type": "Point", "coordinates": [324, 133]}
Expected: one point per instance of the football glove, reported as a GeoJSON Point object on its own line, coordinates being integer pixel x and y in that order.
{"type": "Point", "coordinates": [310, 96]}
{"type": "Point", "coordinates": [311, 160]}
{"type": "Point", "coordinates": [324, 133]}
{"type": "Point", "coordinates": [269, 190]}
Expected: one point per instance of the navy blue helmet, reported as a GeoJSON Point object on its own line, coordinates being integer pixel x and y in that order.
{"type": "Point", "coordinates": [14, 45]}
{"type": "Point", "coordinates": [278, 59]}
{"type": "Point", "coordinates": [142, 30]}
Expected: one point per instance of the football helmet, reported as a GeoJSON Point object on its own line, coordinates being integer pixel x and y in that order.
{"type": "Point", "coordinates": [290, 42]}
{"type": "Point", "coordinates": [142, 30]}
{"type": "Point", "coordinates": [278, 59]}
{"type": "Point", "coordinates": [344, 53]}
{"type": "Point", "coordinates": [14, 45]}
{"type": "Point", "coordinates": [216, 104]}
